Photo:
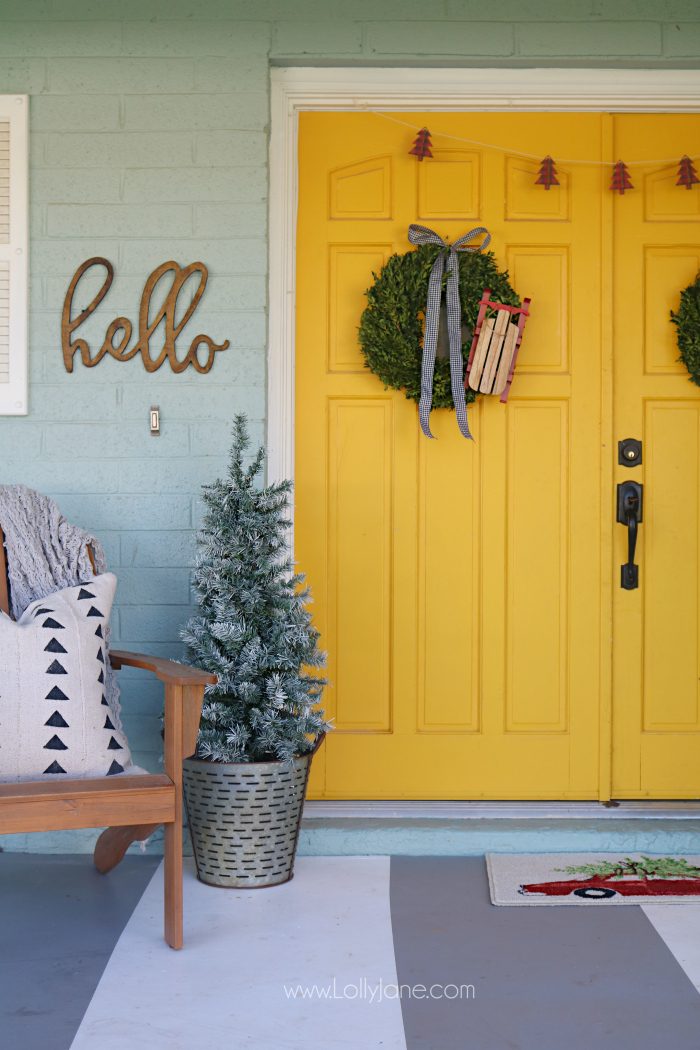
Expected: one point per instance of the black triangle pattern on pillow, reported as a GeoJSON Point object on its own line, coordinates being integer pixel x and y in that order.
{"type": "Point", "coordinates": [57, 721]}
{"type": "Point", "coordinates": [114, 744]}
{"type": "Point", "coordinates": [54, 625]}
{"type": "Point", "coordinates": [54, 768]}
{"type": "Point", "coordinates": [56, 744]}
{"type": "Point", "coordinates": [54, 646]}
{"type": "Point", "coordinates": [56, 694]}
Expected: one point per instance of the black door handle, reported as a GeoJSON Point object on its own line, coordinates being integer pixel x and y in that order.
{"type": "Point", "coordinates": [629, 513]}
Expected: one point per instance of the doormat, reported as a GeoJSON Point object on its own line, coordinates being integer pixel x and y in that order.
{"type": "Point", "coordinates": [593, 878]}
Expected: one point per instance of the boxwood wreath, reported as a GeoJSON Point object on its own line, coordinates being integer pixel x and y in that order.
{"type": "Point", "coordinates": [687, 322]}
{"type": "Point", "coordinates": [391, 326]}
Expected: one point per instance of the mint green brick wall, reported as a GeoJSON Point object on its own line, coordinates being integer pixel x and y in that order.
{"type": "Point", "coordinates": [149, 127]}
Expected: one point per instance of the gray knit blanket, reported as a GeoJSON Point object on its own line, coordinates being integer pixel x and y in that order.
{"type": "Point", "coordinates": [45, 553]}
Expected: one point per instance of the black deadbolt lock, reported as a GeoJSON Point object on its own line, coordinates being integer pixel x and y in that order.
{"type": "Point", "coordinates": [629, 452]}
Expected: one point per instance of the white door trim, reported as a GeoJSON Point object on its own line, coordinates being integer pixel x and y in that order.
{"type": "Point", "coordinates": [297, 89]}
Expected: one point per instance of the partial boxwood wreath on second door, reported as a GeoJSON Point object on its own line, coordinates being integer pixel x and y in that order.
{"type": "Point", "coordinates": [687, 322]}
{"type": "Point", "coordinates": [391, 327]}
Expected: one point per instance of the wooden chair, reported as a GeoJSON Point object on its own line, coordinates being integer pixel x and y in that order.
{"type": "Point", "coordinates": [129, 807]}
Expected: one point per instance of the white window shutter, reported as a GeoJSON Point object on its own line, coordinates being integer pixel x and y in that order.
{"type": "Point", "coordinates": [14, 253]}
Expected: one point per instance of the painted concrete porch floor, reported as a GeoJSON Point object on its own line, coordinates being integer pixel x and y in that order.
{"type": "Point", "coordinates": [84, 966]}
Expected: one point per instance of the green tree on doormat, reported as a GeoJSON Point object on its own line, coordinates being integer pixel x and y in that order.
{"type": "Point", "coordinates": [662, 867]}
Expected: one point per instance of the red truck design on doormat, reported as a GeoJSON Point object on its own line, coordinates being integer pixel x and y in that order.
{"type": "Point", "coordinates": [646, 877]}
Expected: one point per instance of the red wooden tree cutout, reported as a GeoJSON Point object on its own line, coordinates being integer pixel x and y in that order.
{"type": "Point", "coordinates": [687, 175]}
{"type": "Point", "coordinates": [547, 174]}
{"type": "Point", "coordinates": [621, 180]}
{"type": "Point", "coordinates": [422, 144]}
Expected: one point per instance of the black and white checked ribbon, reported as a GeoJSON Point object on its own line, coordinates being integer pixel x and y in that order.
{"type": "Point", "coordinates": [447, 257]}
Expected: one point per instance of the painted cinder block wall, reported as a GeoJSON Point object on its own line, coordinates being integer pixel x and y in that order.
{"type": "Point", "coordinates": [149, 134]}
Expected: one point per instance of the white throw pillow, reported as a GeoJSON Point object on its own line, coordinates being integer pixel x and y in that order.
{"type": "Point", "coordinates": [54, 717]}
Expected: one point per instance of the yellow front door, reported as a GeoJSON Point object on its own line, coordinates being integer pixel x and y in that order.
{"type": "Point", "coordinates": [656, 715]}
{"type": "Point", "coordinates": [463, 590]}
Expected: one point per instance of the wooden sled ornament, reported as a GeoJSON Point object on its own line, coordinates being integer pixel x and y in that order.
{"type": "Point", "coordinates": [495, 346]}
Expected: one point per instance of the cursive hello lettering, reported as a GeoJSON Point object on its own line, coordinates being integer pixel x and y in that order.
{"type": "Point", "coordinates": [119, 332]}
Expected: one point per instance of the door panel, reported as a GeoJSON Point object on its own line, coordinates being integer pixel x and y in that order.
{"type": "Point", "coordinates": [656, 715]}
{"type": "Point", "coordinates": [537, 512]}
{"type": "Point", "coordinates": [544, 271]}
{"type": "Point", "coordinates": [359, 533]}
{"type": "Point", "coordinates": [448, 646]}
{"type": "Point", "coordinates": [456, 584]}
{"type": "Point", "coordinates": [450, 186]}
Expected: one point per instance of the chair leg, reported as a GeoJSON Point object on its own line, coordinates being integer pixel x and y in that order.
{"type": "Point", "coordinates": [114, 842]}
{"type": "Point", "coordinates": [173, 884]}
{"type": "Point", "coordinates": [173, 831]}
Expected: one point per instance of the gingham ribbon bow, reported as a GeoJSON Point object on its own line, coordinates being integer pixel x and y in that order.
{"type": "Point", "coordinates": [448, 256]}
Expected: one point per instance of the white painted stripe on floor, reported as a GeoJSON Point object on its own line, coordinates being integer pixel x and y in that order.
{"type": "Point", "coordinates": [679, 926]}
{"type": "Point", "coordinates": [226, 988]}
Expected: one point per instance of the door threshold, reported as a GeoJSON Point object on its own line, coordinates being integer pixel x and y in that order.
{"type": "Point", "coordinates": [625, 809]}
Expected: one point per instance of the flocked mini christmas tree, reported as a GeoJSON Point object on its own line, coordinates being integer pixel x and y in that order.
{"type": "Point", "coordinates": [253, 629]}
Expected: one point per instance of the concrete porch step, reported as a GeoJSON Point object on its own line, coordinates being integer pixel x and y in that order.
{"type": "Point", "coordinates": [473, 828]}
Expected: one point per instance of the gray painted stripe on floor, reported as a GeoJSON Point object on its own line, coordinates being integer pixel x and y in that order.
{"type": "Point", "coordinates": [544, 978]}
{"type": "Point", "coordinates": [59, 922]}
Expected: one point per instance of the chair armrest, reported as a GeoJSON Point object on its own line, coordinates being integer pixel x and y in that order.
{"type": "Point", "coordinates": [168, 671]}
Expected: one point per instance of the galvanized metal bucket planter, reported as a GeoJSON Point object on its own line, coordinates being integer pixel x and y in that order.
{"type": "Point", "coordinates": [244, 819]}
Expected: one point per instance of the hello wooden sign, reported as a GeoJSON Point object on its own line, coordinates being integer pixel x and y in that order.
{"type": "Point", "coordinates": [119, 332]}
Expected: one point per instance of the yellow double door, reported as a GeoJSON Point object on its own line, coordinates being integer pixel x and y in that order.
{"type": "Point", "coordinates": [468, 594]}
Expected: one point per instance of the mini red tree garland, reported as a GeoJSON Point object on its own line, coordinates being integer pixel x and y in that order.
{"type": "Point", "coordinates": [421, 145]}
{"type": "Point", "coordinates": [621, 180]}
{"type": "Point", "coordinates": [687, 175]}
{"type": "Point", "coordinates": [547, 174]}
